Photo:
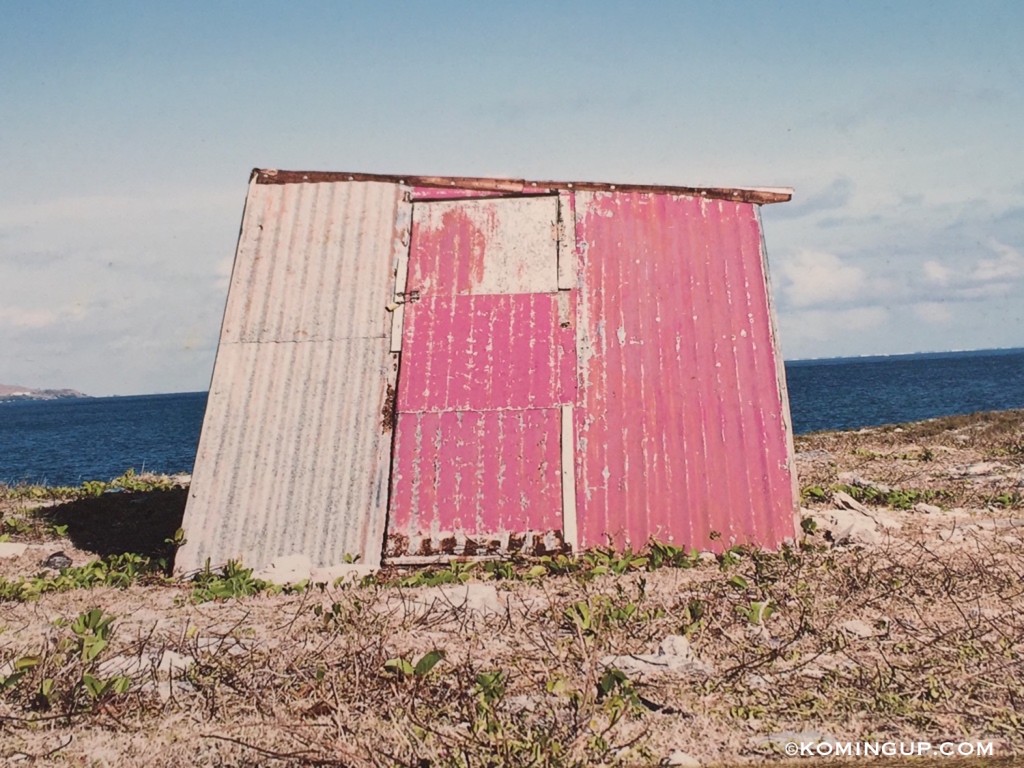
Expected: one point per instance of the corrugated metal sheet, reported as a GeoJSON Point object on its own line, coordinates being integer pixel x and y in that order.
{"type": "Point", "coordinates": [504, 245]}
{"type": "Point", "coordinates": [485, 352]}
{"type": "Point", "coordinates": [476, 482]}
{"type": "Point", "coordinates": [487, 360]}
{"type": "Point", "coordinates": [294, 452]}
{"type": "Point", "coordinates": [681, 427]}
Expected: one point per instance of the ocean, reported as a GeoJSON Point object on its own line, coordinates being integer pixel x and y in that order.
{"type": "Point", "coordinates": [64, 442]}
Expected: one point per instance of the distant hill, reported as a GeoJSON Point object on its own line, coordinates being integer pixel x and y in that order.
{"type": "Point", "coordinates": [14, 392]}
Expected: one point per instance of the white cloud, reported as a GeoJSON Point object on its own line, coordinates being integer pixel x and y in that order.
{"type": "Point", "coordinates": [12, 317]}
{"type": "Point", "coordinates": [1008, 265]}
{"type": "Point", "coordinates": [934, 272]}
{"type": "Point", "coordinates": [815, 277]}
{"type": "Point", "coordinates": [833, 325]}
{"type": "Point", "coordinates": [933, 312]}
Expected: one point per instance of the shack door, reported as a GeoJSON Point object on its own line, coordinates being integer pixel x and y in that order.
{"type": "Point", "coordinates": [486, 379]}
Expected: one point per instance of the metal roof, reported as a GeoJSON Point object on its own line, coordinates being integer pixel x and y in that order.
{"type": "Point", "coordinates": [760, 195]}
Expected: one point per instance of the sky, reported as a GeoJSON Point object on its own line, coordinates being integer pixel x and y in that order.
{"type": "Point", "coordinates": [128, 131]}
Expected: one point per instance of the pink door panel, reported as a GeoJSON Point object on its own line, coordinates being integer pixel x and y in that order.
{"type": "Point", "coordinates": [485, 352]}
{"type": "Point", "coordinates": [488, 360]}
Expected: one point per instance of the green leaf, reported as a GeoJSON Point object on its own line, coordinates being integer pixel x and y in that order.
{"type": "Point", "coordinates": [93, 686]}
{"type": "Point", "coordinates": [738, 582]}
{"type": "Point", "coordinates": [26, 662]}
{"type": "Point", "coordinates": [428, 662]}
{"type": "Point", "coordinates": [399, 666]}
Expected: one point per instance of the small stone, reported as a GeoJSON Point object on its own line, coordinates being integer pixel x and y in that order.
{"type": "Point", "coordinates": [927, 509]}
{"type": "Point", "coordinates": [848, 527]}
{"type": "Point", "coordinates": [58, 561]}
{"type": "Point", "coordinates": [11, 549]}
{"type": "Point", "coordinates": [172, 662]}
{"type": "Point", "coordinates": [843, 500]}
{"type": "Point", "coordinates": [341, 574]}
{"type": "Point", "coordinates": [288, 569]}
{"type": "Point", "coordinates": [675, 645]}
{"type": "Point", "coordinates": [984, 468]}
{"type": "Point", "coordinates": [857, 628]}
{"type": "Point", "coordinates": [680, 758]}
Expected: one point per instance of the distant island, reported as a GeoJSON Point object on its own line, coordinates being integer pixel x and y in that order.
{"type": "Point", "coordinates": [10, 393]}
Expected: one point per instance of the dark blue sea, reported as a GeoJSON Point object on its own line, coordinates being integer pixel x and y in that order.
{"type": "Point", "coordinates": [64, 442]}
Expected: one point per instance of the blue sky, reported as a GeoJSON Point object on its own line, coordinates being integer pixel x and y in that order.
{"type": "Point", "coordinates": [127, 133]}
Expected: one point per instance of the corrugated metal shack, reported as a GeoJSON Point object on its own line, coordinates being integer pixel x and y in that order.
{"type": "Point", "coordinates": [421, 367]}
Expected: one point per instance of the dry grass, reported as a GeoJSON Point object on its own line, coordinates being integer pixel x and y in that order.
{"type": "Point", "coordinates": [920, 637]}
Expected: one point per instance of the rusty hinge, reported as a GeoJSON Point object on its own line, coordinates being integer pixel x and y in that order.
{"type": "Point", "coordinates": [403, 297]}
{"type": "Point", "coordinates": [558, 231]}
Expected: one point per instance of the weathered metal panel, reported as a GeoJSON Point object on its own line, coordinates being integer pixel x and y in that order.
{"type": "Point", "coordinates": [294, 452]}
{"type": "Point", "coordinates": [483, 246]}
{"type": "Point", "coordinates": [476, 482]}
{"type": "Point", "coordinates": [487, 344]}
{"type": "Point", "coordinates": [485, 352]}
{"type": "Point", "coordinates": [760, 195]}
{"type": "Point", "coordinates": [681, 429]}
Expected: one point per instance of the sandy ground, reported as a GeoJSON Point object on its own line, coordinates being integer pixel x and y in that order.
{"type": "Point", "coordinates": [898, 618]}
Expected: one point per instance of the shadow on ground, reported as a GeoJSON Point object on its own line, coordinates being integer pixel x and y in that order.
{"type": "Point", "coordinates": [114, 523]}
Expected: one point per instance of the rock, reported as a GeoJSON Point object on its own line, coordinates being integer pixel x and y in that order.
{"type": "Point", "coordinates": [123, 665]}
{"type": "Point", "coordinates": [927, 509]}
{"type": "Point", "coordinates": [857, 628]}
{"type": "Point", "coordinates": [287, 569]}
{"type": "Point", "coordinates": [675, 645]}
{"type": "Point", "coordinates": [345, 573]}
{"type": "Point", "coordinates": [708, 558]}
{"type": "Point", "coordinates": [58, 561]}
{"type": "Point", "coordinates": [680, 758]}
{"type": "Point", "coordinates": [172, 662]}
{"type": "Point", "coordinates": [843, 500]}
{"type": "Point", "coordinates": [674, 656]}
{"type": "Point", "coordinates": [11, 549]}
{"type": "Point", "coordinates": [984, 468]}
{"type": "Point", "coordinates": [481, 599]}
{"type": "Point", "coordinates": [848, 527]}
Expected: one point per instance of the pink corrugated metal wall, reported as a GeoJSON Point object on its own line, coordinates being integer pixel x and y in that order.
{"type": "Point", "coordinates": [680, 427]}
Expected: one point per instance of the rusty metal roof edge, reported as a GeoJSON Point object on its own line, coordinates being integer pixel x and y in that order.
{"type": "Point", "coordinates": [758, 195]}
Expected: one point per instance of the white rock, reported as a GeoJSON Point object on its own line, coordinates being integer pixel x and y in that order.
{"type": "Point", "coordinates": [674, 656]}
{"type": "Point", "coordinates": [858, 628]}
{"type": "Point", "coordinates": [680, 758]}
{"type": "Point", "coordinates": [345, 573]}
{"type": "Point", "coordinates": [675, 645]}
{"type": "Point", "coordinates": [287, 569]}
{"type": "Point", "coordinates": [481, 599]}
{"type": "Point", "coordinates": [172, 662]}
{"type": "Point", "coordinates": [11, 549]}
{"type": "Point", "coordinates": [984, 468]}
{"type": "Point", "coordinates": [123, 665]}
{"type": "Point", "coordinates": [843, 500]}
{"type": "Point", "coordinates": [927, 509]}
{"type": "Point", "coordinates": [848, 527]}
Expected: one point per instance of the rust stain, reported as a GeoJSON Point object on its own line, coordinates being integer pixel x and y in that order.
{"type": "Point", "coordinates": [387, 411]}
{"type": "Point", "coordinates": [456, 544]}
